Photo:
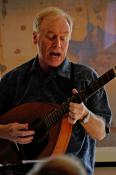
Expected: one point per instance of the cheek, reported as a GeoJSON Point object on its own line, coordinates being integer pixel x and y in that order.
{"type": "Point", "coordinates": [44, 46]}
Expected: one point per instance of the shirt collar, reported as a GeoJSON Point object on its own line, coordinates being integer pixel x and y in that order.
{"type": "Point", "coordinates": [63, 70]}
{"type": "Point", "coordinates": [34, 64]}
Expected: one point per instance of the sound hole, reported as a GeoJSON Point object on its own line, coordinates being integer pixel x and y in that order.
{"type": "Point", "coordinates": [40, 141]}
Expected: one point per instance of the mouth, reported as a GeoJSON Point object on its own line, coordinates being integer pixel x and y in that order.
{"type": "Point", "coordinates": [55, 54]}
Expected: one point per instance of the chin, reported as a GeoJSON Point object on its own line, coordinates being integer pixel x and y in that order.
{"type": "Point", "coordinates": [56, 64]}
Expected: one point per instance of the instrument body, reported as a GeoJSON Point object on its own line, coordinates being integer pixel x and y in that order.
{"type": "Point", "coordinates": [55, 138]}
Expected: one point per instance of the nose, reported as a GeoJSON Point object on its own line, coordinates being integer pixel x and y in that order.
{"type": "Point", "coordinates": [57, 42]}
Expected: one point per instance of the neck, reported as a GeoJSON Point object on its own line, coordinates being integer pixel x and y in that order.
{"type": "Point", "coordinates": [44, 67]}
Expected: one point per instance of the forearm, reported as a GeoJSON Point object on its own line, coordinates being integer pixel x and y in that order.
{"type": "Point", "coordinates": [95, 126]}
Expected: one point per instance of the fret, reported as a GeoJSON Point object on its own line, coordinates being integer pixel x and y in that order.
{"type": "Point", "coordinates": [60, 112]}
{"type": "Point", "coordinates": [100, 81]}
{"type": "Point", "coordinates": [53, 117]}
{"type": "Point", "coordinates": [46, 120]}
{"type": "Point", "coordinates": [65, 108]}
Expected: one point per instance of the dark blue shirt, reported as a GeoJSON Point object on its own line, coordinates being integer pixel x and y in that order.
{"type": "Point", "coordinates": [28, 83]}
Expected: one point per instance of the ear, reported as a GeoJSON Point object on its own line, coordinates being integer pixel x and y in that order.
{"type": "Point", "coordinates": [34, 38]}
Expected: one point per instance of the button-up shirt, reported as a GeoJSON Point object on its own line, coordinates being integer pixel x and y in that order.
{"type": "Point", "coordinates": [28, 83]}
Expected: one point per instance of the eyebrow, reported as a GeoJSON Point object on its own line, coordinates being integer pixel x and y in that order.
{"type": "Point", "coordinates": [62, 33]}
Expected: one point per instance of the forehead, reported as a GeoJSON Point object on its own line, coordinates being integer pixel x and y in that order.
{"type": "Point", "coordinates": [55, 24]}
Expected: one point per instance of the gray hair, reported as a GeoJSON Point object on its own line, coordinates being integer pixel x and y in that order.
{"type": "Point", "coordinates": [59, 165]}
{"type": "Point", "coordinates": [50, 11]}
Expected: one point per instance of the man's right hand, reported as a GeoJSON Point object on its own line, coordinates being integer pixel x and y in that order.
{"type": "Point", "coordinates": [17, 133]}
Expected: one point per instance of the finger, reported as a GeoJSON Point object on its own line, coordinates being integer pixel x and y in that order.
{"type": "Point", "coordinates": [23, 140]}
{"type": "Point", "coordinates": [74, 91]}
{"type": "Point", "coordinates": [25, 133]}
{"type": "Point", "coordinates": [72, 115]}
{"type": "Point", "coordinates": [20, 126]}
{"type": "Point", "coordinates": [71, 120]}
{"type": "Point", "coordinates": [73, 107]}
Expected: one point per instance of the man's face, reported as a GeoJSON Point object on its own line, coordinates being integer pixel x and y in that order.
{"type": "Point", "coordinates": [52, 41]}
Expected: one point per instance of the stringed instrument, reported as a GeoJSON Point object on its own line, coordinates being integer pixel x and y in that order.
{"type": "Point", "coordinates": [52, 130]}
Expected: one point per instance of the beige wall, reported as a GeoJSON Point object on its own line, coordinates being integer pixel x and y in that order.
{"type": "Point", "coordinates": [105, 171]}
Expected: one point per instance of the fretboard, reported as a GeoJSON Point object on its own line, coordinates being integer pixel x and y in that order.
{"type": "Point", "coordinates": [82, 95]}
